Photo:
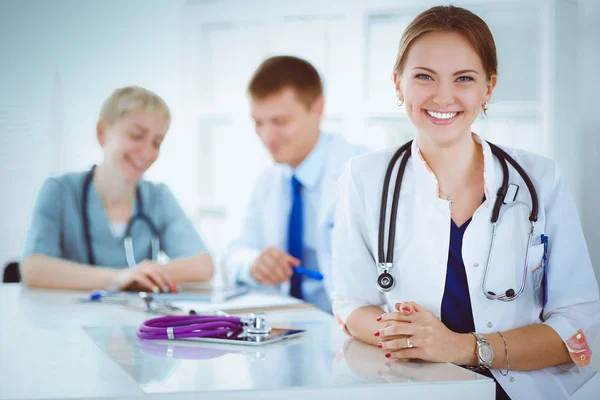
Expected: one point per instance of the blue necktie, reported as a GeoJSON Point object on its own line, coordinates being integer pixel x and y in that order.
{"type": "Point", "coordinates": [295, 230]}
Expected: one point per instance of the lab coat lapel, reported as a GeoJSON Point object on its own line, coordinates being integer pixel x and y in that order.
{"type": "Point", "coordinates": [423, 221]}
{"type": "Point", "coordinates": [476, 246]}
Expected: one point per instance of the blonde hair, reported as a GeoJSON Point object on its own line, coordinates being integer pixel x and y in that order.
{"type": "Point", "coordinates": [124, 100]}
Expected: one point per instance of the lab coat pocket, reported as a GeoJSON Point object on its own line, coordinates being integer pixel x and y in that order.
{"type": "Point", "coordinates": [536, 272]}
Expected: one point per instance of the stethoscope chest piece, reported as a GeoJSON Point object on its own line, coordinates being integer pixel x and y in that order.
{"type": "Point", "coordinates": [385, 280]}
{"type": "Point", "coordinates": [255, 324]}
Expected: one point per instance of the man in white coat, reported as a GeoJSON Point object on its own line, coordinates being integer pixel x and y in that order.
{"type": "Point", "coordinates": [286, 238]}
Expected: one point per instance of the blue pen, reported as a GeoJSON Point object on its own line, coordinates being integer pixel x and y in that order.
{"type": "Point", "coordinates": [316, 275]}
{"type": "Point", "coordinates": [97, 295]}
{"type": "Point", "coordinates": [544, 240]}
{"type": "Point", "coordinates": [105, 295]}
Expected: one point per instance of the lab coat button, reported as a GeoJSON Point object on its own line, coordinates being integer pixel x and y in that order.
{"type": "Point", "coordinates": [511, 379]}
{"type": "Point", "coordinates": [476, 265]}
{"type": "Point", "coordinates": [489, 325]}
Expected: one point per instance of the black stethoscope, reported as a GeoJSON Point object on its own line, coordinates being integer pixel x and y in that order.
{"type": "Point", "coordinates": [127, 240]}
{"type": "Point", "coordinates": [385, 281]}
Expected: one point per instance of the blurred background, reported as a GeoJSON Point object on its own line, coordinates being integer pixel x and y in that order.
{"type": "Point", "coordinates": [61, 59]}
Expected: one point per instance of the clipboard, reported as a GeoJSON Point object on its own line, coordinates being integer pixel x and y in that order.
{"type": "Point", "coordinates": [207, 294]}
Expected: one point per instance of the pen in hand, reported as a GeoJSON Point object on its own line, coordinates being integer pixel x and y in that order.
{"type": "Point", "coordinates": [316, 275]}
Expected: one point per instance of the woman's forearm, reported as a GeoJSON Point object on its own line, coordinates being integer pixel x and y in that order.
{"type": "Point", "coordinates": [529, 348]}
{"type": "Point", "coordinates": [41, 271]}
{"type": "Point", "coordinates": [198, 268]}
{"type": "Point", "coordinates": [362, 324]}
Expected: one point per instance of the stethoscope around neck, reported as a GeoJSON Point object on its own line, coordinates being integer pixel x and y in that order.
{"type": "Point", "coordinates": [127, 240]}
{"type": "Point", "coordinates": [385, 280]}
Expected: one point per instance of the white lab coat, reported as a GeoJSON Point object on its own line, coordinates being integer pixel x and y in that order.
{"type": "Point", "coordinates": [266, 221]}
{"type": "Point", "coordinates": [421, 256]}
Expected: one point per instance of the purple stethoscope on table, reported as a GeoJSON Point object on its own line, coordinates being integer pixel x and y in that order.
{"type": "Point", "coordinates": [252, 326]}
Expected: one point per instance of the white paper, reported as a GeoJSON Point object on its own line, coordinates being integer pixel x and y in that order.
{"type": "Point", "coordinates": [250, 300]}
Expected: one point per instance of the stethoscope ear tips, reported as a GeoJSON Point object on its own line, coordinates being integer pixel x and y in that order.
{"type": "Point", "coordinates": [385, 282]}
{"type": "Point", "coordinates": [510, 293]}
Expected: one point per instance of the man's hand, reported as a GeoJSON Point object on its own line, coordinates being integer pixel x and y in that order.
{"type": "Point", "coordinates": [273, 266]}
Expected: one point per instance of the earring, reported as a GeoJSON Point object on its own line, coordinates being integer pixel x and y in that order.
{"type": "Point", "coordinates": [484, 107]}
{"type": "Point", "coordinates": [399, 102]}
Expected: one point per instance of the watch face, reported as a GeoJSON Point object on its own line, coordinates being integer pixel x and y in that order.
{"type": "Point", "coordinates": [486, 353]}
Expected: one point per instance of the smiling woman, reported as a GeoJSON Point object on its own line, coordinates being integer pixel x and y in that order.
{"type": "Point", "coordinates": [443, 81]}
{"type": "Point", "coordinates": [86, 219]}
{"type": "Point", "coordinates": [130, 129]}
{"type": "Point", "coordinates": [536, 345]}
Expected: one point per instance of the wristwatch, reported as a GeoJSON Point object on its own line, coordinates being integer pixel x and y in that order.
{"type": "Point", "coordinates": [485, 352]}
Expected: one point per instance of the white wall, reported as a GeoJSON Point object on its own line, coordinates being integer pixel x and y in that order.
{"type": "Point", "coordinates": [588, 137]}
{"type": "Point", "coordinates": [62, 58]}
{"type": "Point", "coordinates": [588, 81]}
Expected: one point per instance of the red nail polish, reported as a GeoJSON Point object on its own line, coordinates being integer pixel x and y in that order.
{"type": "Point", "coordinates": [388, 355]}
{"type": "Point", "coordinates": [406, 309]}
{"type": "Point", "coordinates": [380, 345]}
{"type": "Point", "coordinates": [376, 333]}
{"type": "Point", "coordinates": [378, 319]}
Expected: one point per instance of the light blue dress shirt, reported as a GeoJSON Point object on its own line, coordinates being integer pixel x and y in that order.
{"type": "Point", "coordinates": [309, 173]}
{"type": "Point", "coordinates": [56, 228]}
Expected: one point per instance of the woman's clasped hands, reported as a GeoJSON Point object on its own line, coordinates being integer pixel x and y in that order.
{"type": "Point", "coordinates": [413, 332]}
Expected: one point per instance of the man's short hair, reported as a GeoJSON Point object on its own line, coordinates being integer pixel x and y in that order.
{"type": "Point", "coordinates": [281, 72]}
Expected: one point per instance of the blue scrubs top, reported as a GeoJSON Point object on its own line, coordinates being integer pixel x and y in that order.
{"type": "Point", "coordinates": [457, 313]}
{"type": "Point", "coordinates": [57, 229]}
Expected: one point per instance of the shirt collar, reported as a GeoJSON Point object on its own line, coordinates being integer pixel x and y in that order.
{"type": "Point", "coordinates": [309, 172]}
{"type": "Point", "coordinates": [428, 182]}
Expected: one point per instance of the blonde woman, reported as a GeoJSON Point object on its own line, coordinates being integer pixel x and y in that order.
{"type": "Point", "coordinates": [104, 227]}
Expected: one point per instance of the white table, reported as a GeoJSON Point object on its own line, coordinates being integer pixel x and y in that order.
{"type": "Point", "coordinates": [52, 346]}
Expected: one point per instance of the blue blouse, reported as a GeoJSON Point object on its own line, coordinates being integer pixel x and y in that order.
{"type": "Point", "coordinates": [56, 228]}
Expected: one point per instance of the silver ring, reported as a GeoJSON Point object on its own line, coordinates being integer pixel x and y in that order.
{"type": "Point", "coordinates": [409, 344]}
